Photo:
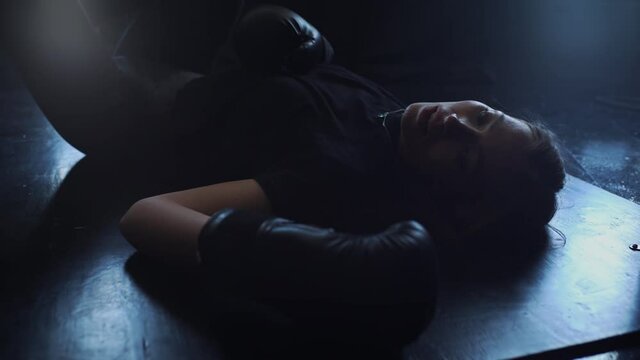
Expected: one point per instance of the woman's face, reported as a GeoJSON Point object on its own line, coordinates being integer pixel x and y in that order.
{"type": "Point", "coordinates": [464, 147]}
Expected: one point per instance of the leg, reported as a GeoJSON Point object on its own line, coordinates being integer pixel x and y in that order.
{"type": "Point", "coordinates": [97, 103]}
{"type": "Point", "coordinates": [174, 31]}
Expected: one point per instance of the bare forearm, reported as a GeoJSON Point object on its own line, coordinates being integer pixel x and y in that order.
{"type": "Point", "coordinates": [167, 226]}
{"type": "Point", "coordinates": [164, 230]}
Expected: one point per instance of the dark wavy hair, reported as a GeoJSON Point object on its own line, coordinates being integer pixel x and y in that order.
{"type": "Point", "coordinates": [541, 179]}
{"type": "Point", "coordinates": [531, 192]}
{"type": "Point", "coordinates": [528, 195]}
{"type": "Point", "coordinates": [517, 237]}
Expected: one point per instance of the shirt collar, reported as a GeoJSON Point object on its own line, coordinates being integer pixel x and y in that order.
{"type": "Point", "coordinates": [390, 121]}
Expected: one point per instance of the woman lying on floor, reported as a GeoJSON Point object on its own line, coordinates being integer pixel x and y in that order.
{"type": "Point", "coordinates": [346, 163]}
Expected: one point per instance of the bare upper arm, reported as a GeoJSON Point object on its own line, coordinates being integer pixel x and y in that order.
{"type": "Point", "coordinates": [241, 194]}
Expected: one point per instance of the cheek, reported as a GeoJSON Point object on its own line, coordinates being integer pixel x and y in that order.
{"type": "Point", "coordinates": [441, 156]}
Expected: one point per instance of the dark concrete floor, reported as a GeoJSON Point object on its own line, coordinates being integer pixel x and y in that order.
{"type": "Point", "coordinates": [78, 254]}
{"type": "Point", "coordinates": [605, 140]}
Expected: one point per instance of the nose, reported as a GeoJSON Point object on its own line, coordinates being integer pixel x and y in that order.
{"type": "Point", "coordinates": [455, 126]}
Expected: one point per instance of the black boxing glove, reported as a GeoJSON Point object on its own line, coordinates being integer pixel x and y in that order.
{"type": "Point", "coordinates": [265, 257]}
{"type": "Point", "coordinates": [275, 39]}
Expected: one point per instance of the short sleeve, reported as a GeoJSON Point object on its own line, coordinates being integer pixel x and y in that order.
{"type": "Point", "coordinates": [301, 195]}
{"type": "Point", "coordinates": [326, 196]}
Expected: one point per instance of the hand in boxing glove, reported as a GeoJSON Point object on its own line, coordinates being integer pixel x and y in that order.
{"type": "Point", "coordinates": [264, 257]}
{"type": "Point", "coordinates": [275, 39]}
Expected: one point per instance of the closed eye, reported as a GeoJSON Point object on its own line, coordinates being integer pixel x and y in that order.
{"type": "Point", "coordinates": [483, 117]}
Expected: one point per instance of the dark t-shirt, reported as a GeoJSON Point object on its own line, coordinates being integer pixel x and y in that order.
{"type": "Point", "coordinates": [314, 143]}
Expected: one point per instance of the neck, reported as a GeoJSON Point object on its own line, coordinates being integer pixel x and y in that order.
{"type": "Point", "coordinates": [422, 195]}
